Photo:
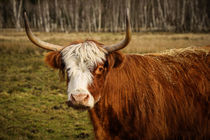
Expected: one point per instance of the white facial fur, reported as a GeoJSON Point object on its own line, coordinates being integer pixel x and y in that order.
{"type": "Point", "coordinates": [80, 60]}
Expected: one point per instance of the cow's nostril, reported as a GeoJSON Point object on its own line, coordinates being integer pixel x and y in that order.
{"type": "Point", "coordinates": [86, 98]}
{"type": "Point", "coordinates": [72, 97]}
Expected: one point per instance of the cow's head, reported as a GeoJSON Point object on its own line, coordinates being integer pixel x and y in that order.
{"type": "Point", "coordinates": [86, 64]}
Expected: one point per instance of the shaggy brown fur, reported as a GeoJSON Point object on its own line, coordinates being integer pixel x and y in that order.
{"type": "Point", "coordinates": [156, 96]}
{"type": "Point", "coordinates": [54, 60]}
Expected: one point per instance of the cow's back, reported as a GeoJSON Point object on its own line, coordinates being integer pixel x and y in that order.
{"type": "Point", "coordinates": [178, 90]}
{"type": "Point", "coordinates": [184, 82]}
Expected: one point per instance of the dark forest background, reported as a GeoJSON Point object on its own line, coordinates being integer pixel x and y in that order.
{"type": "Point", "coordinates": [107, 15]}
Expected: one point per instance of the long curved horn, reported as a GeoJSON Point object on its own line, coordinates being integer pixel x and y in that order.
{"type": "Point", "coordinates": [36, 40]}
{"type": "Point", "coordinates": [124, 42]}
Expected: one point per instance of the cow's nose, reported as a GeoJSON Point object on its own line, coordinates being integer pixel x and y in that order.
{"type": "Point", "coordinates": [80, 98]}
{"type": "Point", "coordinates": [80, 101]}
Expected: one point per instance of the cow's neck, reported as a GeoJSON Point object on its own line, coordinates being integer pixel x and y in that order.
{"type": "Point", "coordinates": [98, 128]}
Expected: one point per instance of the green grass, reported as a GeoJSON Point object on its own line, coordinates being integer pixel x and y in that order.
{"type": "Point", "coordinates": [32, 102]}
{"type": "Point", "coordinates": [27, 116]}
{"type": "Point", "coordinates": [32, 98]}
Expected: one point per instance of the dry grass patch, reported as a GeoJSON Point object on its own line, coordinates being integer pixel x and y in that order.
{"type": "Point", "coordinates": [140, 43]}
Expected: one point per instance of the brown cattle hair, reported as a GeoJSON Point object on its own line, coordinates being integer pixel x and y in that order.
{"type": "Point", "coordinates": [54, 60]}
{"type": "Point", "coordinates": [156, 96]}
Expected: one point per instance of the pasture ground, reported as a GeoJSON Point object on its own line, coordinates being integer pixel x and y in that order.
{"type": "Point", "coordinates": [32, 98]}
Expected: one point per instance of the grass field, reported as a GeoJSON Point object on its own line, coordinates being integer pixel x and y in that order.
{"type": "Point", "coordinates": [32, 98]}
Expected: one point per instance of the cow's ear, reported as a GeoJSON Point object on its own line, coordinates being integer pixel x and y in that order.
{"type": "Point", "coordinates": [115, 59]}
{"type": "Point", "coordinates": [53, 59]}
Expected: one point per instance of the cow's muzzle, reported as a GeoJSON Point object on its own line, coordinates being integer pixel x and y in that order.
{"type": "Point", "coordinates": [80, 101]}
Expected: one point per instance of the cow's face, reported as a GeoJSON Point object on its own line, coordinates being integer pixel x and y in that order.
{"type": "Point", "coordinates": [83, 61]}
{"type": "Point", "coordinates": [86, 65]}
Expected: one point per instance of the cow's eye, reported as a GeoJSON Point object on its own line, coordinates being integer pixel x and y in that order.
{"type": "Point", "coordinates": [99, 70]}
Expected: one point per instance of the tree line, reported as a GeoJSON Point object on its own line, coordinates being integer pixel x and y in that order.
{"type": "Point", "coordinates": [107, 15]}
